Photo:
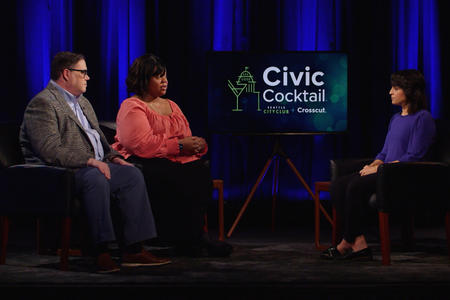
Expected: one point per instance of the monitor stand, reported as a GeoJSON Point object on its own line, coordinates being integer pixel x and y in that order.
{"type": "Point", "coordinates": [275, 157]}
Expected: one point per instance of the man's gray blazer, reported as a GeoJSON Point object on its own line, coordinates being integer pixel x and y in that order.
{"type": "Point", "coordinates": [51, 133]}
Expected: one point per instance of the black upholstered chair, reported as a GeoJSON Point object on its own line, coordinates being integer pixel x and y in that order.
{"type": "Point", "coordinates": [33, 190]}
{"type": "Point", "coordinates": [404, 189]}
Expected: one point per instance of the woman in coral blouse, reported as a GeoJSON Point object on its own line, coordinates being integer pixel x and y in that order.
{"type": "Point", "coordinates": [153, 132]}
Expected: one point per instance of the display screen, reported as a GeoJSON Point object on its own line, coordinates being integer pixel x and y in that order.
{"type": "Point", "coordinates": [277, 93]}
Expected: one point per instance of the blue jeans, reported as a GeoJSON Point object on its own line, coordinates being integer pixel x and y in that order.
{"type": "Point", "coordinates": [128, 189]}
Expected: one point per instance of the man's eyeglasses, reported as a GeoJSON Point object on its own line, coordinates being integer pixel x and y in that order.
{"type": "Point", "coordinates": [84, 72]}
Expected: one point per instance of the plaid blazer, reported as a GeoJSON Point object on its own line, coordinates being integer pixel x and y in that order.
{"type": "Point", "coordinates": [52, 134]}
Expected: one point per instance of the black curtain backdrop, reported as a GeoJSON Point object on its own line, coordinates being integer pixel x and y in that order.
{"type": "Point", "coordinates": [182, 32]}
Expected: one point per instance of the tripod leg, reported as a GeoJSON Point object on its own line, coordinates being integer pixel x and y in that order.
{"type": "Point", "coordinates": [299, 176]}
{"type": "Point", "coordinates": [275, 190]}
{"type": "Point", "coordinates": [250, 196]}
{"type": "Point", "coordinates": [317, 219]}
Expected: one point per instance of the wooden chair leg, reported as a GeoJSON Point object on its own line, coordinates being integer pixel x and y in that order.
{"type": "Point", "coordinates": [220, 212]}
{"type": "Point", "coordinates": [218, 184]}
{"type": "Point", "coordinates": [4, 223]}
{"type": "Point", "coordinates": [65, 242]}
{"type": "Point", "coordinates": [384, 238]}
{"type": "Point", "coordinates": [317, 220]}
{"type": "Point", "coordinates": [447, 230]}
{"type": "Point", "coordinates": [205, 223]}
{"type": "Point", "coordinates": [320, 186]}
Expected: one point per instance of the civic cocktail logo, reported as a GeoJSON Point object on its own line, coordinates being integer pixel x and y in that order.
{"type": "Point", "coordinates": [281, 94]}
{"type": "Point", "coordinates": [245, 82]}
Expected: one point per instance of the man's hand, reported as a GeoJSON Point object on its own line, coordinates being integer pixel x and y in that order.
{"type": "Point", "coordinates": [101, 166]}
{"type": "Point", "coordinates": [119, 161]}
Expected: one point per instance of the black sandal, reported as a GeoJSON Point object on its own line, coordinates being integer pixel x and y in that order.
{"type": "Point", "coordinates": [331, 253]}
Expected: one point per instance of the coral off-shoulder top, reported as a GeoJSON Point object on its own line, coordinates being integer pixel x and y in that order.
{"type": "Point", "coordinates": [145, 133]}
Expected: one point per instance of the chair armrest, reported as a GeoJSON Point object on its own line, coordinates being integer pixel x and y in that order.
{"type": "Point", "coordinates": [37, 190]}
{"type": "Point", "coordinates": [341, 167]}
{"type": "Point", "coordinates": [406, 184]}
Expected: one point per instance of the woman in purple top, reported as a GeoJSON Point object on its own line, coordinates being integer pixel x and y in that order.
{"type": "Point", "coordinates": [410, 134]}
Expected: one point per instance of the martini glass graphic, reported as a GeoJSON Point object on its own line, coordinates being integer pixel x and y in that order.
{"type": "Point", "coordinates": [237, 91]}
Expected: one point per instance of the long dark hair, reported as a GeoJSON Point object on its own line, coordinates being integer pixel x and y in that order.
{"type": "Point", "coordinates": [412, 83]}
{"type": "Point", "coordinates": [142, 69]}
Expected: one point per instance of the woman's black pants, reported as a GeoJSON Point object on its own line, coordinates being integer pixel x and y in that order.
{"type": "Point", "coordinates": [350, 195]}
{"type": "Point", "coordinates": [179, 195]}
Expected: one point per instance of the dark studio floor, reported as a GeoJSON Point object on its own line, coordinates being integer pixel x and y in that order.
{"type": "Point", "coordinates": [268, 265]}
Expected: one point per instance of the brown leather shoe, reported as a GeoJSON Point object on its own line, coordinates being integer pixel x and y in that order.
{"type": "Point", "coordinates": [143, 258]}
{"type": "Point", "coordinates": [105, 264]}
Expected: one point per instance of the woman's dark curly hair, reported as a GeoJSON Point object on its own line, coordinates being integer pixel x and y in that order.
{"type": "Point", "coordinates": [412, 83]}
{"type": "Point", "coordinates": [140, 72]}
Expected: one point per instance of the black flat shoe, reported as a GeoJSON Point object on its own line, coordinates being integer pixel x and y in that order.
{"type": "Point", "coordinates": [331, 253]}
{"type": "Point", "coordinates": [361, 255]}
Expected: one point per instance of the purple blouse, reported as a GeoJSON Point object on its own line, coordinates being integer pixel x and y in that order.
{"type": "Point", "coordinates": [409, 137]}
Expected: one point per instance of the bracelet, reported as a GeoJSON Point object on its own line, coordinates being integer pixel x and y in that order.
{"type": "Point", "coordinates": [180, 147]}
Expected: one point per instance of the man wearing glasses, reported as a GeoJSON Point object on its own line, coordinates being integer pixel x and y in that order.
{"type": "Point", "coordinates": [60, 128]}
